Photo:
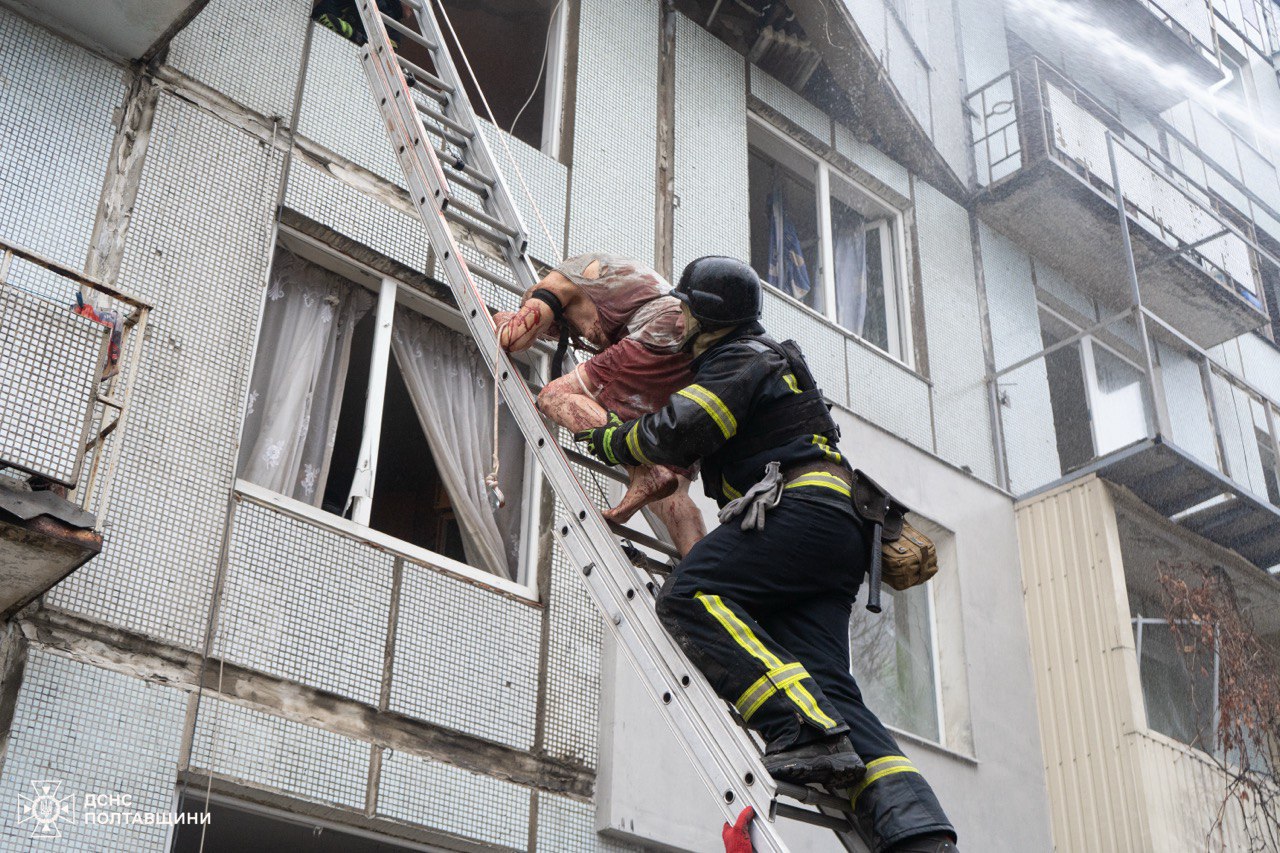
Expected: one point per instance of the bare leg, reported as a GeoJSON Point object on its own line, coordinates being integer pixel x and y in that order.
{"type": "Point", "coordinates": [681, 517]}
{"type": "Point", "coordinates": [565, 402]}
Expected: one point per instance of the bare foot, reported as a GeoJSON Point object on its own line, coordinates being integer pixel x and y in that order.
{"type": "Point", "coordinates": [647, 485]}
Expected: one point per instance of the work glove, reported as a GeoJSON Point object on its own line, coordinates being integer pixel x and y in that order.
{"type": "Point", "coordinates": [757, 501]}
{"type": "Point", "coordinates": [737, 838]}
{"type": "Point", "coordinates": [605, 442]}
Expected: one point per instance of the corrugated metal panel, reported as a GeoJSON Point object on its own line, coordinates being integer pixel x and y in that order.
{"type": "Point", "coordinates": [1086, 670]}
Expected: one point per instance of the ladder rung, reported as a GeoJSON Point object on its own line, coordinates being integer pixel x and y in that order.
{"type": "Point", "coordinates": [505, 284]}
{"type": "Point", "coordinates": [480, 216]}
{"type": "Point", "coordinates": [495, 237]}
{"type": "Point", "coordinates": [839, 824]}
{"type": "Point", "coordinates": [594, 464]}
{"type": "Point", "coordinates": [441, 118]}
{"type": "Point", "coordinates": [813, 797]}
{"type": "Point", "coordinates": [421, 75]}
{"type": "Point", "coordinates": [454, 161]}
{"type": "Point", "coordinates": [642, 539]}
{"type": "Point", "coordinates": [446, 134]}
{"type": "Point", "coordinates": [413, 34]}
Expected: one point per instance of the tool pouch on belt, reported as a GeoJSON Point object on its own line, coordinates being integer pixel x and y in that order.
{"type": "Point", "coordinates": [901, 556]}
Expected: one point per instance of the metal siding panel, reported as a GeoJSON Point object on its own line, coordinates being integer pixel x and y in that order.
{"type": "Point", "coordinates": [229, 37]}
{"type": "Point", "coordinates": [954, 333]}
{"type": "Point", "coordinates": [304, 604]}
{"type": "Point", "coordinates": [198, 252]}
{"type": "Point", "coordinates": [1188, 409]}
{"type": "Point", "coordinates": [446, 798]}
{"type": "Point", "coordinates": [269, 752]}
{"type": "Point", "coordinates": [55, 142]}
{"type": "Point", "coordinates": [711, 148]}
{"type": "Point", "coordinates": [612, 200]}
{"type": "Point", "coordinates": [466, 658]}
{"type": "Point", "coordinates": [1086, 668]}
{"type": "Point", "coordinates": [95, 732]}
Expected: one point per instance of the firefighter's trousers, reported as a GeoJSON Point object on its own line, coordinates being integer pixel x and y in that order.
{"type": "Point", "coordinates": [765, 616]}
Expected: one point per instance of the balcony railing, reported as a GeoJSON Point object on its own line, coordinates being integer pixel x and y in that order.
{"type": "Point", "coordinates": [1135, 400]}
{"type": "Point", "coordinates": [1057, 167]}
{"type": "Point", "coordinates": [69, 355]}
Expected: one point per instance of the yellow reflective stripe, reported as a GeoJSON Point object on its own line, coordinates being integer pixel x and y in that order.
{"type": "Point", "coordinates": [783, 685]}
{"type": "Point", "coordinates": [765, 686]}
{"type": "Point", "coordinates": [806, 703]}
{"type": "Point", "coordinates": [835, 484]}
{"type": "Point", "coordinates": [790, 379]}
{"type": "Point", "coordinates": [729, 491]}
{"type": "Point", "coordinates": [633, 444]}
{"type": "Point", "coordinates": [714, 407]}
{"type": "Point", "coordinates": [818, 439]}
{"type": "Point", "coordinates": [737, 629]}
{"type": "Point", "coordinates": [877, 776]}
{"type": "Point", "coordinates": [887, 759]}
{"type": "Point", "coordinates": [827, 452]}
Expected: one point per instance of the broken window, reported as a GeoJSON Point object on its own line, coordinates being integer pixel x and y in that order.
{"type": "Point", "coordinates": [826, 242]}
{"type": "Point", "coordinates": [363, 406]}
{"type": "Point", "coordinates": [516, 49]}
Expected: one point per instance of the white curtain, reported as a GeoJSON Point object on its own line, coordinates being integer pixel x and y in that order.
{"type": "Point", "coordinates": [298, 378]}
{"type": "Point", "coordinates": [849, 250]}
{"type": "Point", "coordinates": [452, 393]}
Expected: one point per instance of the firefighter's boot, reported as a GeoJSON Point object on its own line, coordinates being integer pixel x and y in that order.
{"type": "Point", "coordinates": [934, 842]}
{"type": "Point", "coordinates": [830, 761]}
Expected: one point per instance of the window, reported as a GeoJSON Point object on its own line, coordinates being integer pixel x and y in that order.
{"type": "Point", "coordinates": [517, 50]}
{"type": "Point", "coordinates": [892, 655]}
{"type": "Point", "coordinates": [1097, 395]}
{"type": "Point", "coordinates": [1237, 97]}
{"type": "Point", "coordinates": [521, 74]}
{"type": "Point", "coordinates": [822, 240]}
{"type": "Point", "coordinates": [1179, 704]}
{"type": "Point", "coordinates": [364, 406]}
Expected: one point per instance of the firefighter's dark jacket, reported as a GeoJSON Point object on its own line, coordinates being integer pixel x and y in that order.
{"type": "Point", "coordinates": [734, 382]}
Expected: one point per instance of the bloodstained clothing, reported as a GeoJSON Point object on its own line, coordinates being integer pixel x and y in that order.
{"type": "Point", "coordinates": [645, 326]}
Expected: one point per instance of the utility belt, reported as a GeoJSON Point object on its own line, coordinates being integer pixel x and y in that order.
{"type": "Point", "coordinates": [901, 555]}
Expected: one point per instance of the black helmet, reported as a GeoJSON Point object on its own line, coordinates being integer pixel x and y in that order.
{"type": "Point", "coordinates": [720, 291]}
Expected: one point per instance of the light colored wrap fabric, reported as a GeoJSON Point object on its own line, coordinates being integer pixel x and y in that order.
{"type": "Point", "coordinates": [850, 255]}
{"type": "Point", "coordinates": [452, 393]}
{"type": "Point", "coordinates": [296, 391]}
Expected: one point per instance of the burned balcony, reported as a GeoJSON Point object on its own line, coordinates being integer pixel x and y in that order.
{"type": "Point", "coordinates": [1055, 169]}
{"type": "Point", "coordinates": [70, 348]}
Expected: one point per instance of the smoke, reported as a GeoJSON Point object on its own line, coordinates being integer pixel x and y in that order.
{"type": "Point", "coordinates": [1124, 57]}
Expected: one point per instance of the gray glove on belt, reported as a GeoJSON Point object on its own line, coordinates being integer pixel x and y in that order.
{"type": "Point", "coordinates": [757, 500]}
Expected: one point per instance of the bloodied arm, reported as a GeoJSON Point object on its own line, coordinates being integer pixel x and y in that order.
{"type": "Point", "coordinates": [519, 330]}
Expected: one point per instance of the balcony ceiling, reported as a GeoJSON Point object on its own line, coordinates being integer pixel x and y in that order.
{"type": "Point", "coordinates": [124, 29]}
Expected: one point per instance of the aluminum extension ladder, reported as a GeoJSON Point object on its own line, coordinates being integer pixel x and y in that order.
{"type": "Point", "coordinates": [458, 189]}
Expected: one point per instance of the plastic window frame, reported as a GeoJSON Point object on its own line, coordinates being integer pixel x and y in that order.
{"type": "Point", "coordinates": [897, 297]}
{"type": "Point", "coordinates": [403, 295]}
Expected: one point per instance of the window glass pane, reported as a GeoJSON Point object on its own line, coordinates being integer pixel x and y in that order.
{"type": "Point", "coordinates": [784, 228]}
{"type": "Point", "coordinates": [851, 255]}
{"type": "Point", "coordinates": [876, 330]}
{"type": "Point", "coordinates": [1067, 396]}
{"type": "Point", "coordinates": [1120, 410]}
{"type": "Point", "coordinates": [1179, 704]}
{"type": "Point", "coordinates": [892, 659]}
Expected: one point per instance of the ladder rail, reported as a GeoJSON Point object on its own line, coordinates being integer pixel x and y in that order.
{"type": "Point", "coordinates": [724, 755]}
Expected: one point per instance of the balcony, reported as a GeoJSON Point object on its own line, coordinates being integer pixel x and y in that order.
{"type": "Point", "coordinates": [1136, 402]}
{"type": "Point", "coordinates": [70, 348]}
{"type": "Point", "coordinates": [125, 29]}
{"type": "Point", "coordinates": [1166, 33]}
{"type": "Point", "coordinates": [1055, 168]}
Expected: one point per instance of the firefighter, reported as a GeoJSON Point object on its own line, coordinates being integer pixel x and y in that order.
{"type": "Point", "coordinates": [341, 17]}
{"type": "Point", "coordinates": [762, 604]}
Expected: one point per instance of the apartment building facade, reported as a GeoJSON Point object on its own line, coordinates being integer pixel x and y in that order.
{"type": "Point", "coordinates": [1038, 288]}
